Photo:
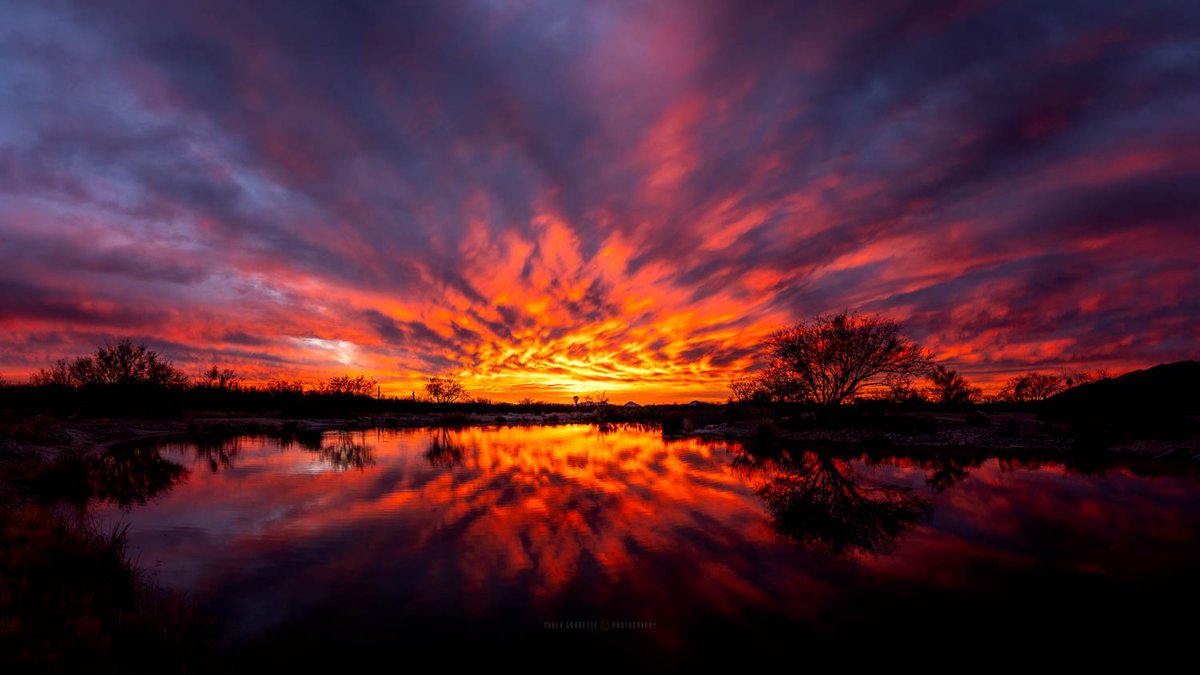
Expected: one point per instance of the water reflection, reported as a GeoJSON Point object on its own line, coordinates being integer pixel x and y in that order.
{"type": "Point", "coordinates": [339, 450]}
{"type": "Point", "coordinates": [132, 474]}
{"type": "Point", "coordinates": [308, 439]}
{"type": "Point", "coordinates": [945, 471]}
{"type": "Point", "coordinates": [217, 451]}
{"type": "Point", "coordinates": [816, 499]}
{"type": "Point", "coordinates": [445, 449]}
{"type": "Point", "coordinates": [367, 534]}
{"type": "Point", "coordinates": [347, 450]}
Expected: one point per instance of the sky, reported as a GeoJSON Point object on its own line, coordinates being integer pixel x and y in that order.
{"type": "Point", "coordinates": [555, 198]}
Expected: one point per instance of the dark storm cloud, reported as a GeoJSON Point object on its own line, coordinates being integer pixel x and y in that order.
{"type": "Point", "coordinates": [30, 302]}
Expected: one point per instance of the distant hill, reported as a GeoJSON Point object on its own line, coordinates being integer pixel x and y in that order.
{"type": "Point", "coordinates": [1140, 400]}
{"type": "Point", "coordinates": [1174, 386]}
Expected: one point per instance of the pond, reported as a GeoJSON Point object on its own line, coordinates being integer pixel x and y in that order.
{"type": "Point", "coordinates": [486, 542]}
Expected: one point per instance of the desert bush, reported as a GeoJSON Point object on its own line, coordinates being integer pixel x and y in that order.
{"type": "Point", "coordinates": [831, 359]}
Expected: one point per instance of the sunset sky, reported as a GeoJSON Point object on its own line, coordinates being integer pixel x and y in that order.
{"type": "Point", "coordinates": [557, 198]}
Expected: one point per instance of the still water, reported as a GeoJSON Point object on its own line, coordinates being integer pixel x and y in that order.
{"type": "Point", "coordinates": [483, 541]}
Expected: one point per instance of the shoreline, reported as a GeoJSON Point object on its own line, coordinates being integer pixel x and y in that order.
{"type": "Point", "coordinates": [1003, 434]}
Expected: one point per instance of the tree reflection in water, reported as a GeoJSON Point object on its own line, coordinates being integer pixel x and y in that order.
{"type": "Point", "coordinates": [818, 500]}
{"type": "Point", "coordinates": [218, 451]}
{"type": "Point", "coordinates": [347, 451]}
{"type": "Point", "coordinates": [308, 439]}
{"type": "Point", "coordinates": [132, 474]}
{"type": "Point", "coordinates": [445, 450]}
{"type": "Point", "coordinates": [946, 471]}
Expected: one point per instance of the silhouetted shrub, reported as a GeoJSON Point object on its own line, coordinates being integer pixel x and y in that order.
{"type": "Point", "coordinates": [1031, 387]}
{"type": "Point", "coordinates": [123, 364]}
{"type": "Point", "coordinates": [218, 378]}
{"type": "Point", "coordinates": [950, 388]}
{"type": "Point", "coordinates": [284, 387]}
{"type": "Point", "coordinates": [750, 389]}
{"type": "Point", "coordinates": [71, 601]}
{"type": "Point", "coordinates": [831, 359]}
{"type": "Point", "coordinates": [445, 389]}
{"type": "Point", "coordinates": [345, 385]}
{"type": "Point", "coordinates": [672, 424]}
{"type": "Point", "coordinates": [903, 392]}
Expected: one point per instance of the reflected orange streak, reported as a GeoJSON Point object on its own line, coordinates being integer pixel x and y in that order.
{"type": "Point", "coordinates": [539, 511]}
{"type": "Point", "coordinates": [525, 506]}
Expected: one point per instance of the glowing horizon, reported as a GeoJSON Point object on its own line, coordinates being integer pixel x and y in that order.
{"type": "Point", "coordinates": [555, 199]}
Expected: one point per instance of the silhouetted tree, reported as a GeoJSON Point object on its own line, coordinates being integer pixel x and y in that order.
{"type": "Point", "coordinates": [58, 374]}
{"type": "Point", "coordinates": [950, 388]}
{"type": "Point", "coordinates": [830, 359]}
{"type": "Point", "coordinates": [902, 390]}
{"type": "Point", "coordinates": [345, 385]}
{"type": "Point", "coordinates": [749, 389]}
{"type": "Point", "coordinates": [1031, 387]}
{"type": "Point", "coordinates": [122, 364]}
{"type": "Point", "coordinates": [445, 389]}
{"type": "Point", "coordinates": [281, 387]}
{"type": "Point", "coordinates": [594, 400]}
{"type": "Point", "coordinates": [1084, 377]}
{"type": "Point", "coordinates": [219, 378]}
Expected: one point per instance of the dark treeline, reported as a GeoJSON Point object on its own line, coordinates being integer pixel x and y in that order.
{"type": "Point", "coordinates": [837, 371]}
{"type": "Point", "coordinates": [145, 400]}
{"type": "Point", "coordinates": [131, 380]}
{"type": "Point", "coordinates": [847, 358]}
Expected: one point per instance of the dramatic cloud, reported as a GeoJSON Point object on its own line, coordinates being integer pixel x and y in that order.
{"type": "Point", "coordinates": [558, 198]}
